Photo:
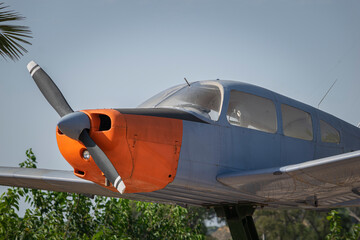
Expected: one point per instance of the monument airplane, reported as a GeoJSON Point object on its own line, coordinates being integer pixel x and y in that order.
{"type": "Point", "coordinates": [222, 144]}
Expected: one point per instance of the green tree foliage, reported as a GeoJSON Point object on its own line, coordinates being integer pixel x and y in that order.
{"type": "Point", "coordinates": [57, 215]}
{"type": "Point", "coordinates": [12, 36]}
{"type": "Point", "coordinates": [308, 224]}
{"type": "Point", "coordinates": [291, 224]}
{"type": "Point", "coordinates": [338, 232]}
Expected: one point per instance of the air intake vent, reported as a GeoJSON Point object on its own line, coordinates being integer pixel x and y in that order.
{"type": "Point", "coordinates": [105, 122]}
{"type": "Point", "coordinates": [79, 173]}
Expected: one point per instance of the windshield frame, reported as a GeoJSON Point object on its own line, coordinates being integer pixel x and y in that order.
{"type": "Point", "coordinates": [199, 83]}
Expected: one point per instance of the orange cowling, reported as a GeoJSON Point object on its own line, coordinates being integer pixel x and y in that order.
{"type": "Point", "coordinates": [144, 149]}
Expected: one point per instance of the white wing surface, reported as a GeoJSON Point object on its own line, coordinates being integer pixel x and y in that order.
{"type": "Point", "coordinates": [66, 181]}
{"type": "Point", "coordinates": [53, 180]}
{"type": "Point", "coordinates": [328, 182]}
{"type": "Point", "coordinates": [323, 183]}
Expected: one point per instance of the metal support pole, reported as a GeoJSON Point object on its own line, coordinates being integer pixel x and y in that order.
{"type": "Point", "coordinates": [240, 221]}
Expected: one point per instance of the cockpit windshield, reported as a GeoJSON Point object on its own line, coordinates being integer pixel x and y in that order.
{"type": "Point", "coordinates": [200, 98]}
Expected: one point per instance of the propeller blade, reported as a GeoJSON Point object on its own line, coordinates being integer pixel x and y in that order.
{"type": "Point", "coordinates": [102, 161]}
{"type": "Point", "coordinates": [48, 88]}
{"type": "Point", "coordinates": [74, 124]}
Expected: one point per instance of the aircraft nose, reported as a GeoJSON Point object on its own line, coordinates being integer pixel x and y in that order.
{"type": "Point", "coordinates": [143, 149]}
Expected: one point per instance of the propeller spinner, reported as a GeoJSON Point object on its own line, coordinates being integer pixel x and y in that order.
{"type": "Point", "coordinates": [75, 125]}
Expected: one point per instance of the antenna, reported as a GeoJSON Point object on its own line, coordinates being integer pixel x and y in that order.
{"type": "Point", "coordinates": [187, 81]}
{"type": "Point", "coordinates": [327, 93]}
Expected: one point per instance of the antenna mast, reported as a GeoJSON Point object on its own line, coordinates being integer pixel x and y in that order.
{"type": "Point", "coordinates": [327, 93]}
{"type": "Point", "coordinates": [187, 81]}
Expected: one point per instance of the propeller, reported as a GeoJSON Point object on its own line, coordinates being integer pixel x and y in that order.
{"type": "Point", "coordinates": [75, 125]}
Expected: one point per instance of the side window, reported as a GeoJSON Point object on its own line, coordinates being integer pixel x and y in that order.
{"type": "Point", "coordinates": [328, 133]}
{"type": "Point", "coordinates": [250, 111]}
{"type": "Point", "coordinates": [296, 123]}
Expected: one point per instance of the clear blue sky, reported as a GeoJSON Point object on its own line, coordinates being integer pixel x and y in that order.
{"type": "Point", "coordinates": [109, 54]}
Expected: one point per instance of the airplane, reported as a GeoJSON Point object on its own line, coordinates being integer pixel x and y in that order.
{"type": "Point", "coordinates": [227, 145]}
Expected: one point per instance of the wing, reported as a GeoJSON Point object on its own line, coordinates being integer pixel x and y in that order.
{"type": "Point", "coordinates": [327, 182]}
{"type": "Point", "coordinates": [53, 180]}
{"type": "Point", "coordinates": [66, 181]}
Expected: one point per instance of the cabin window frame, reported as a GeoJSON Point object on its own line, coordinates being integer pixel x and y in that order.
{"type": "Point", "coordinates": [331, 127]}
{"type": "Point", "coordinates": [272, 129]}
{"type": "Point", "coordinates": [295, 135]}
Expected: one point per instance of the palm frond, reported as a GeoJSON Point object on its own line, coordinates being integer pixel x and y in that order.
{"type": "Point", "coordinates": [12, 36]}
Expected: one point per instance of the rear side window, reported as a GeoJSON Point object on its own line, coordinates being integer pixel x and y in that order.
{"type": "Point", "coordinates": [296, 123]}
{"type": "Point", "coordinates": [329, 133]}
{"type": "Point", "coordinates": [250, 111]}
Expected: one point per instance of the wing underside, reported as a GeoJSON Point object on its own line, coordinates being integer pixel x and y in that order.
{"type": "Point", "coordinates": [323, 183]}
{"type": "Point", "coordinates": [66, 181]}
{"type": "Point", "coordinates": [327, 182]}
{"type": "Point", "coordinates": [53, 180]}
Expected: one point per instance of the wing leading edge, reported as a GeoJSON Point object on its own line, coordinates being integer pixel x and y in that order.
{"type": "Point", "coordinates": [52, 180]}
{"type": "Point", "coordinates": [66, 181]}
{"type": "Point", "coordinates": [328, 182]}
